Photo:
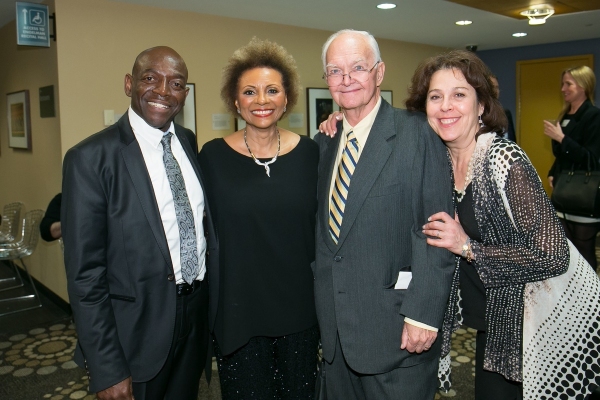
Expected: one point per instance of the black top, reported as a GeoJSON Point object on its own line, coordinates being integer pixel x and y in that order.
{"type": "Point", "coordinates": [266, 231]}
{"type": "Point", "coordinates": [472, 290]}
{"type": "Point", "coordinates": [51, 216]}
{"type": "Point", "coordinates": [581, 142]}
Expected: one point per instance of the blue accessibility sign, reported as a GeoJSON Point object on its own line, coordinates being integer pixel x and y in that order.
{"type": "Point", "coordinates": [32, 25]}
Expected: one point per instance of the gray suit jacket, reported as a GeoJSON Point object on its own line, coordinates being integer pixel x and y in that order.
{"type": "Point", "coordinates": [401, 179]}
{"type": "Point", "coordinates": [119, 270]}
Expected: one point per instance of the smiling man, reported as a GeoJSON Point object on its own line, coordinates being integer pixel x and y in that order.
{"type": "Point", "coordinates": [132, 208]}
{"type": "Point", "coordinates": [380, 290]}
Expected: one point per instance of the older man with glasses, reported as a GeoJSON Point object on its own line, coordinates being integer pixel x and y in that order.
{"type": "Point", "coordinates": [380, 290]}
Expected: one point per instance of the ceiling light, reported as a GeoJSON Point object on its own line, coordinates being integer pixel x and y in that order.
{"type": "Point", "coordinates": [386, 6]}
{"type": "Point", "coordinates": [519, 34]}
{"type": "Point", "coordinates": [465, 22]}
{"type": "Point", "coordinates": [538, 16]}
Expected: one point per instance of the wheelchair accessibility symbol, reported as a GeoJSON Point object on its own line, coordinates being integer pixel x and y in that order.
{"type": "Point", "coordinates": [37, 18]}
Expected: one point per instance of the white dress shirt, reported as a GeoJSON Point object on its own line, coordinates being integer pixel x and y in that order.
{"type": "Point", "coordinates": [149, 140]}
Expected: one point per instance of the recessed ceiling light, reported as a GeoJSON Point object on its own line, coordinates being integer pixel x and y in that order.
{"type": "Point", "coordinates": [386, 6]}
{"type": "Point", "coordinates": [519, 34]}
{"type": "Point", "coordinates": [465, 22]}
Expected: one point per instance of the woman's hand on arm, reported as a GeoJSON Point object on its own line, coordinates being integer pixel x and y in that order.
{"type": "Point", "coordinates": [553, 131]}
{"type": "Point", "coordinates": [446, 232]}
{"type": "Point", "coordinates": [329, 127]}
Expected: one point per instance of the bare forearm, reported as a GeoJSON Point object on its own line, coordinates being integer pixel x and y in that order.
{"type": "Point", "coordinates": [55, 230]}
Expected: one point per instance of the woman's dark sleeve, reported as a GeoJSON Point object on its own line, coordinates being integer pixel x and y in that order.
{"type": "Point", "coordinates": [538, 249]}
{"type": "Point", "coordinates": [52, 215]}
{"type": "Point", "coordinates": [588, 147]}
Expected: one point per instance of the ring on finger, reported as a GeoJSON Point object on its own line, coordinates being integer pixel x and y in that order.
{"type": "Point", "coordinates": [439, 234]}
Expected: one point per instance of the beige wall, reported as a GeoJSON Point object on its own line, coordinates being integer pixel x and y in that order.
{"type": "Point", "coordinates": [97, 43]}
{"type": "Point", "coordinates": [99, 40]}
{"type": "Point", "coordinates": [33, 177]}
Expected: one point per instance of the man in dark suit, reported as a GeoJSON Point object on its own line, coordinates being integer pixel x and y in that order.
{"type": "Point", "coordinates": [135, 246]}
{"type": "Point", "coordinates": [380, 290]}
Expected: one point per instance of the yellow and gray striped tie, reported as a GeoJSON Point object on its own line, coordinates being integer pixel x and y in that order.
{"type": "Point", "coordinates": [339, 194]}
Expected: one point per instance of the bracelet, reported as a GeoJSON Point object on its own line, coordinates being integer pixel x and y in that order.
{"type": "Point", "coordinates": [465, 248]}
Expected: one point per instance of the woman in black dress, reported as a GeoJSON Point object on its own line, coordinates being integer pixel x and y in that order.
{"type": "Point", "coordinates": [576, 144]}
{"type": "Point", "coordinates": [261, 182]}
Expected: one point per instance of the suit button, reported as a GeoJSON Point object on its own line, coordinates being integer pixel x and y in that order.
{"type": "Point", "coordinates": [337, 258]}
{"type": "Point", "coordinates": [171, 277]}
{"type": "Point", "coordinates": [207, 253]}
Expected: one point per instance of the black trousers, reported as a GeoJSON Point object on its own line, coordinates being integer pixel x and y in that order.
{"type": "Point", "coordinates": [179, 378]}
{"type": "Point", "coordinates": [583, 236]}
{"type": "Point", "coordinates": [491, 385]}
{"type": "Point", "coordinates": [273, 368]}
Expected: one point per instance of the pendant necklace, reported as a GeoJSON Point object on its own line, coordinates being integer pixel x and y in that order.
{"type": "Point", "coordinates": [266, 163]}
{"type": "Point", "coordinates": [460, 194]}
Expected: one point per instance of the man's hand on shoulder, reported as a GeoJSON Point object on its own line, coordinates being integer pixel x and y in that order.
{"type": "Point", "coordinates": [121, 391]}
{"type": "Point", "coordinates": [415, 339]}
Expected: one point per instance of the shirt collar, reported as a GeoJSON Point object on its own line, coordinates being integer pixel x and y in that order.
{"type": "Point", "coordinates": [141, 129]}
{"type": "Point", "coordinates": [362, 129]}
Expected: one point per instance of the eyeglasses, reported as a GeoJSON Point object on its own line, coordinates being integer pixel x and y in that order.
{"type": "Point", "coordinates": [336, 77]}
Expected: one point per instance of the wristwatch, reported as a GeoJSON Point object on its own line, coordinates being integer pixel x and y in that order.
{"type": "Point", "coordinates": [467, 252]}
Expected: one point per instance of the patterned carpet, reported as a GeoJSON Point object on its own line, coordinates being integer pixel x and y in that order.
{"type": "Point", "coordinates": [38, 365]}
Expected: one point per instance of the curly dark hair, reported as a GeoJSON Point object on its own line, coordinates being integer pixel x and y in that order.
{"type": "Point", "coordinates": [257, 54]}
{"type": "Point", "coordinates": [477, 75]}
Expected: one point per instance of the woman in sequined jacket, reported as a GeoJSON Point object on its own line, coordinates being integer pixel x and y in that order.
{"type": "Point", "coordinates": [517, 279]}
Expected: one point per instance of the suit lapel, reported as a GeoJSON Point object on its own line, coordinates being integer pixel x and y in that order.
{"type": "Point", "coordinates": [372, 160]}
{"type": "Point", "coordinates": [193, 157]}
{"type": "Point", "coordinates": [134, 160]}
{"type": "Point", "coordinates": [187, 147]}
{"type": "Point", "coordinates": [326, 166]}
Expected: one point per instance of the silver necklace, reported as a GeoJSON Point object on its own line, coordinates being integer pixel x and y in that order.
{"type": "Point", "coordinates": [267, 163]}
{"type": "Point", "coordinates": [460, 194]}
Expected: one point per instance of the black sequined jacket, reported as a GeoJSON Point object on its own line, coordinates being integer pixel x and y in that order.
{"type": "Point", "coordinates": [522, 241]}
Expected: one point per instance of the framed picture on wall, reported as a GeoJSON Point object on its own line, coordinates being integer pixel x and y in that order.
{"type": "Point", "coordinates": [187, 115]}
{"type": "Point", "coordinates": [388, 95]}
{"type": "Point", "coordinates": [319, 105]}
{"type": "Point", "coordinates": [240, 123]}
{"type": "Point", "coordinates": [18, 115]}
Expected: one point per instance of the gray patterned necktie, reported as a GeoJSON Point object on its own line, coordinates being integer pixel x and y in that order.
{"type": "Point", "coordinates": [185, 218]}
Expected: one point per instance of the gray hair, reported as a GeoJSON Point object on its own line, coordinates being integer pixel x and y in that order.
{"type": "Point", "coordinates": [370, 41]}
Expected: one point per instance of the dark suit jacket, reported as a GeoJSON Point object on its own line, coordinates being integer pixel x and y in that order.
{"type": "Point", "coordinates": [402, 177]}
{"type": "Point", "coordinates": [120, 275]}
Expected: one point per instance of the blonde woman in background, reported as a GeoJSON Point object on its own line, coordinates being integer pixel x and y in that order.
{"type": "Point", "coordinates": [576, 144]}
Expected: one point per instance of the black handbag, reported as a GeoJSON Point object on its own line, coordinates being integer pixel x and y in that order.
{"type": "Point", "coordinates": [577, 192]}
